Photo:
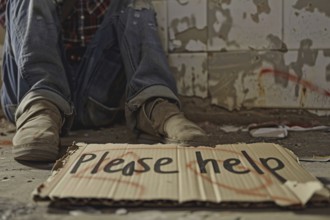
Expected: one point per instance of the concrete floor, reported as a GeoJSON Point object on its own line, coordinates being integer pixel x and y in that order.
{"type": "Point", "coordinates": [17, 181]}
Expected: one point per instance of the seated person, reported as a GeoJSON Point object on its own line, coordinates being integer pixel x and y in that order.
{"type": "Point", "coordinates": [71, 64]}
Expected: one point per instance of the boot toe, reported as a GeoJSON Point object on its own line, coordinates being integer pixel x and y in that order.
{"type": "Point", "coordinates": [35, 152]}
{"type": "Point", "coordinates": [38, 133]}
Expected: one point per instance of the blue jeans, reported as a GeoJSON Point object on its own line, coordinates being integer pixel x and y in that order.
{"type": "Point", "coordinates": [124, 60]}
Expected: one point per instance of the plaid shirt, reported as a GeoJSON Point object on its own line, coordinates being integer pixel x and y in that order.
{"type": "Point", "coordinates": [79, 27]}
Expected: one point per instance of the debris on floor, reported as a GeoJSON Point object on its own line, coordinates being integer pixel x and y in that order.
{"type": "Point", "coordinates": [315, 159]}
{"type": "Point", "coordinates": [121, 211]}
{"type": "Point", "coordinates": [84, 210]}
{"type": "Point", "coordinates": [275, 131]}
{"type": "Point", "coordinates": [231, 128]}
{"type": "Point", "coordinates": [271, 129]}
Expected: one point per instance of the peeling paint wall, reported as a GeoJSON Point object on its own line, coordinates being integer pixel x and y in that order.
{"type": "Point", "coordinates": [249, 53]}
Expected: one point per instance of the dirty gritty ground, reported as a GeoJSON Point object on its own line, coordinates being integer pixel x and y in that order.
{"type": "Point", "coordinates": [17, 181]}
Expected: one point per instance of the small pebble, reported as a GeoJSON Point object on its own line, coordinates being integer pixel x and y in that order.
{"type": "Point", "coordinates": [121, 211]}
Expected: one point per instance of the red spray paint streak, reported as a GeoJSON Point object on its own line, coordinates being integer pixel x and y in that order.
{"type": "Point", "coordinates": [295, 79]}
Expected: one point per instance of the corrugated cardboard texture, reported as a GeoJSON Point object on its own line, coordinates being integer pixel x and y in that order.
{"type": "Point", "coordinates": [241, 173]}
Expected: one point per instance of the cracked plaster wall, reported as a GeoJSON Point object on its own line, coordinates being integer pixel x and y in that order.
{"type": "Point", "coordinates": [249, 53]}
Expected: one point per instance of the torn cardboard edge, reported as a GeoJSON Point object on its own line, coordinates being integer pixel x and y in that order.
{"type": "Point", "coordinates": [124, 174]}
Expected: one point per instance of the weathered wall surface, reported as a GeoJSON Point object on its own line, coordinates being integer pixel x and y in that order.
{"type": "Point", "coordinates": [249, 53]}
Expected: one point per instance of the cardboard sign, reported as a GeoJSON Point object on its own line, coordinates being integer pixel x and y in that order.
{"type": "Point", "coordinates": [123, 173]}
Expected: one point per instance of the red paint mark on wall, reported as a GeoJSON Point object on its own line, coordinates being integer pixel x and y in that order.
{"type": "Point", "coordinates": [6, 142]}
{"type": "Point", "coordinates": [295, 79]}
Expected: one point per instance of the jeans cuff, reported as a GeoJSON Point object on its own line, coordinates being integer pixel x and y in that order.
{"type": "Point", "coordinates": [134, 104]}
{"type": "Point", "coordinates": [65, 107]}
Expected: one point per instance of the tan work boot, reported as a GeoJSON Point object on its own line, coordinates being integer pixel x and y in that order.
{"type": "Point", "coordinates": [38, 132]}
{"type": "Point", "coordinates": [162, 121]}
{"type": "Point", "coordinates": [178, 129]}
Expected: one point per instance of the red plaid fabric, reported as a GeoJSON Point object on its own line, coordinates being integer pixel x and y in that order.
{"type": "Point", "coordinates": [79, 27]}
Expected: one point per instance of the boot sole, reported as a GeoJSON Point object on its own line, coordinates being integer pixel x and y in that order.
{"type": "Point", "coordinates": [37, 152]}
